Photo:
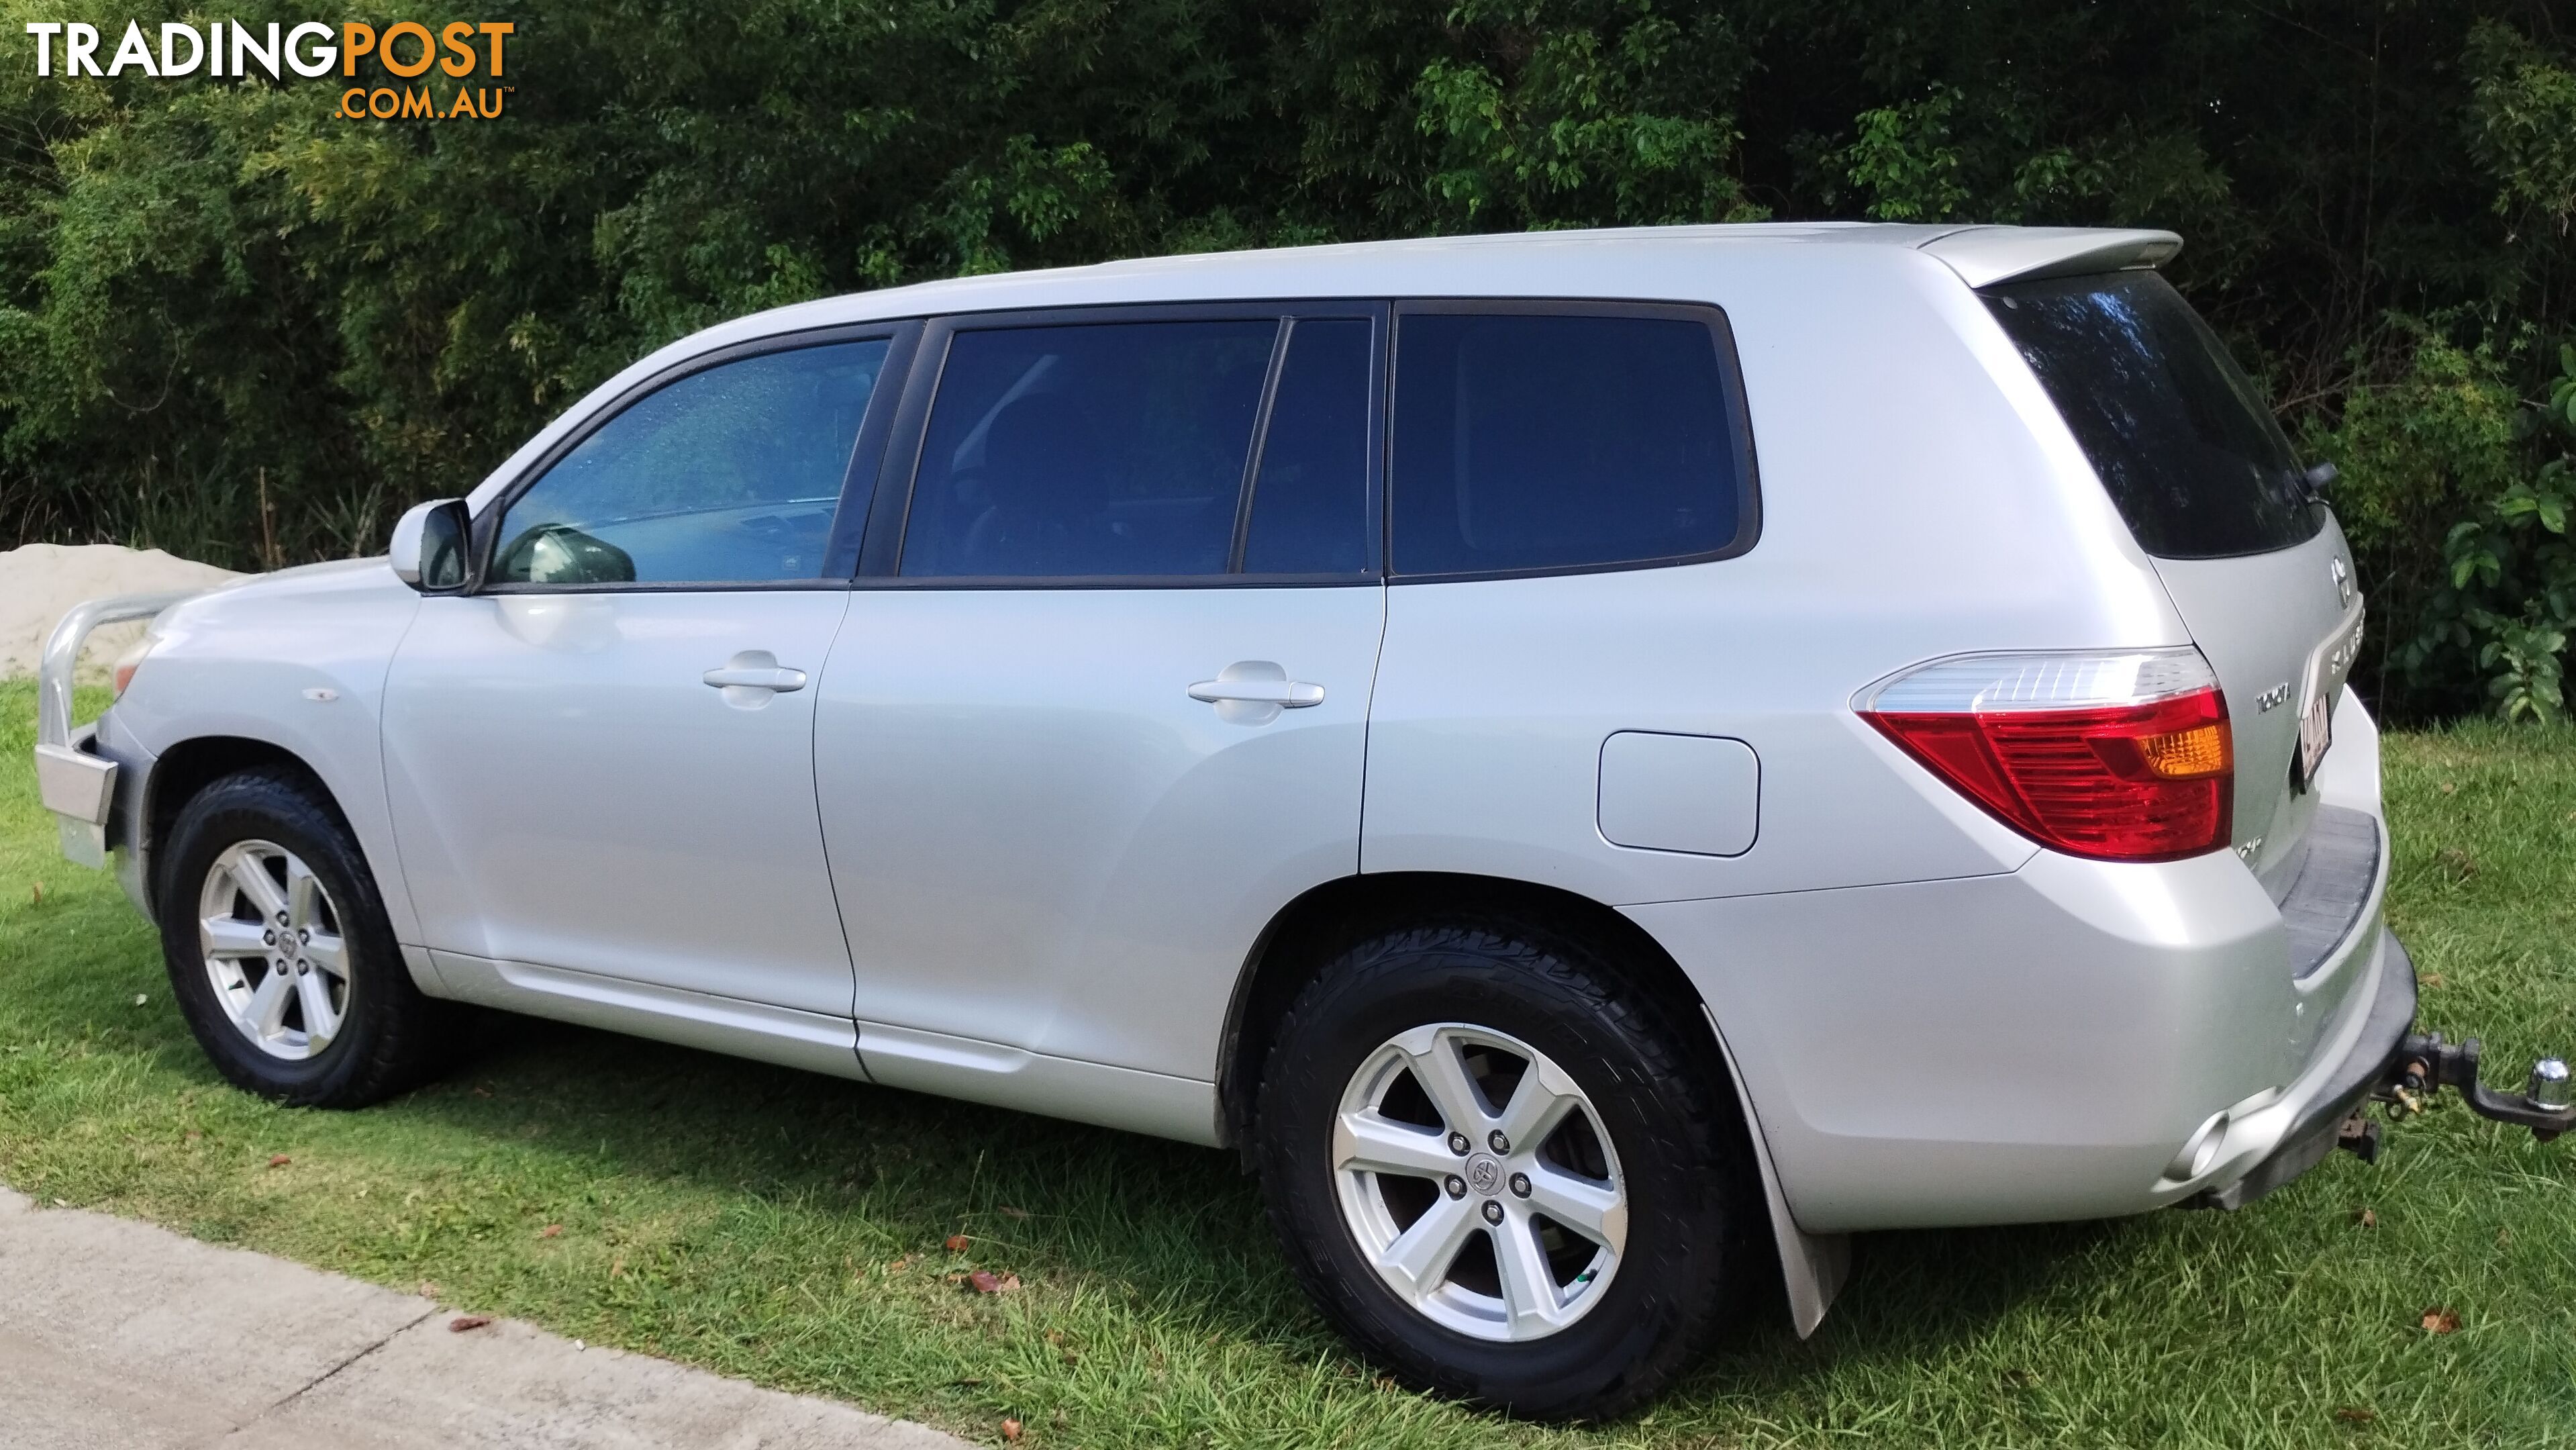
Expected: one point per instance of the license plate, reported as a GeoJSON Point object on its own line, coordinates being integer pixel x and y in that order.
{"type": "Point", "coordinates": [2316, 732]}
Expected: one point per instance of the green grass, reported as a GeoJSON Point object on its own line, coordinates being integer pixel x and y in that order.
{"type": "Point", "coordinates": [788, 1228]}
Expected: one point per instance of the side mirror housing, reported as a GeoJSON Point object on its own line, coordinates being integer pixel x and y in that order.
{"type": "Point", "coordinates": [429, 546]}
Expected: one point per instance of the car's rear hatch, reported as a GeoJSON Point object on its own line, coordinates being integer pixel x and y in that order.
{"type": "Point", "coordinates": [2195, 463]}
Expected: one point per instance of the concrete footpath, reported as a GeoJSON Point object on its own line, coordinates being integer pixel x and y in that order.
{"type": "Point", "coordinates": [119, 1334]}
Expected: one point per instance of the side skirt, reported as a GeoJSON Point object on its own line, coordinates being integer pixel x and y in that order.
{"type": "Point", "coordinates": [729, 1025]}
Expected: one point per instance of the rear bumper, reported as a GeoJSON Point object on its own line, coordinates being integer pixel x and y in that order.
{"type": "Point", "coordinates": [2341, 1086]}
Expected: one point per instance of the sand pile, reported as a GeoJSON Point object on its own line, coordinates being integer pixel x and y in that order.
{"type": "Point", "coordinates": [40, 582]}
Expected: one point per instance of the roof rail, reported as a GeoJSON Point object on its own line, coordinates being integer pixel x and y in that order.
{"type": "Point", "coordinates": [1985, 256]}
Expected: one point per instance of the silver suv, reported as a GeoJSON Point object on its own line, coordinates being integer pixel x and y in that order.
{"type": "Point", "coordinates": [1600, 763]}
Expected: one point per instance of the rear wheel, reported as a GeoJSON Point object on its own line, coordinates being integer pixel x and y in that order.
{"type": "Point", "coordinates": [1500, 1170]}
{"type": "Point", "coordinates": [280, 954]}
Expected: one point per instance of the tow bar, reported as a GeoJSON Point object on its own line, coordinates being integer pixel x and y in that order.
{"type": "Point", "coordinates": [2424, 1064]}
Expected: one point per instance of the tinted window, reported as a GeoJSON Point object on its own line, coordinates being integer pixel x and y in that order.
{"type": "Point", "coordinates": [1535, 442]}
{"type": "Point", "coordinates": [1310, 512]}
{"type": "Point", "coordinates": [1099, 449]}
{"type": "Point", "coordinates": [727, 476]}
{"type": "Point", "coordinates": [2178, 433]}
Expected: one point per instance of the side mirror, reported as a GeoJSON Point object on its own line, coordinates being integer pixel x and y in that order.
{"type": "Point", "coordinates": [429, 546]}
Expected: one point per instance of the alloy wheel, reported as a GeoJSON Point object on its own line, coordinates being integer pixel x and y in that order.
{"type": "Point", "coordinates": [273, 949]}
{"type": "Point", "coordinates": [1478, 1181]}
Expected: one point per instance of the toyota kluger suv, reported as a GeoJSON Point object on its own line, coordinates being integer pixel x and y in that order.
{"type": "Point", "coordinates": [1601, 763]}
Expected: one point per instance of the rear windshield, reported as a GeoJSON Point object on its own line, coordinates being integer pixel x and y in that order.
{"type": "Point", "coordinates": [2176, 430]}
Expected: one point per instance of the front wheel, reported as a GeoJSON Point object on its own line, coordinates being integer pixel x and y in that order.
{"type": "Point", "coordinates": [1500, 1170]}
{"type": "Point", "coordinates": [280, 954]}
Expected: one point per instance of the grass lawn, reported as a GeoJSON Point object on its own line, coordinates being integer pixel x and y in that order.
{"type": "Point", "coordinates": [789, 1228]}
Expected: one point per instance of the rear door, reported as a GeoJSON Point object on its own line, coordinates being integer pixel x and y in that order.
{"type": "Point", "coordinates": [1099, 709]}
{"type": "Point", "coordinates": [2190, 454]}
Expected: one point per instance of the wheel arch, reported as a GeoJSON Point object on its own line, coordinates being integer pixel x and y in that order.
{"type": "Point", "coordinates": [1311, 930]}
{"type": "Point", "coordinates": [191, 765]}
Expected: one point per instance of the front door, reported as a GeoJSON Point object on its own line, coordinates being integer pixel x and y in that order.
{"type": "Point", "coordinates": [1106, 713]}
{"type": "Point", "coordinates": [602, 760]}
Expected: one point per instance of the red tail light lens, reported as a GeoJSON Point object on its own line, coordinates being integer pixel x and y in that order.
{"type": "Point", "coordinates": [2118, 757]}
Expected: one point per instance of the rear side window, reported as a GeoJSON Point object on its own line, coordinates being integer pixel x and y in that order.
{"type": "Point", "coordinates": [1088, 450]}
{"type": "Point", "coordinates": [1310, 509]}
{"type": "Point", "coordinates": [1543, 440]}
{"type": "Point", "coordinates": [2179, 435]}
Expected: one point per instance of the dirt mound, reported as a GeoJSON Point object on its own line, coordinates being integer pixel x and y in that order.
{"type": "Point", "coordinates": [39, 583]}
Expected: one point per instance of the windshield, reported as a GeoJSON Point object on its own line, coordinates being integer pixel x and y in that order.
{"type": "Point", "coordinates": [2180, 436]}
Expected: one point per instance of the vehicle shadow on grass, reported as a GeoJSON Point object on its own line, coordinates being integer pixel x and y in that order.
{"type": "Point", "coordinates": [1176, 1225]}
{"type": "Point", "coordinates": [1179, 1225]}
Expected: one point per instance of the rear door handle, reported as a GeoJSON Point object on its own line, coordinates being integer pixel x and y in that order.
{"type": "Point", "coordinates": [1253, 692]}
{"type": "Point", "coordinates": [751, 677]}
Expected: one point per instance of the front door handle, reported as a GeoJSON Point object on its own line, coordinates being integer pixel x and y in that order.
{"type": "Point", "coordinates": [752, 677]}
{"type": "Point", "coordinates": [1291, 694]}
{"type": "Point", "coordinates": [1253, 692]}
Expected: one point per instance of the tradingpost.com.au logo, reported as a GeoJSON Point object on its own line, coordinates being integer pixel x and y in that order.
{"type": "Point", "coordinates": [408, 50]}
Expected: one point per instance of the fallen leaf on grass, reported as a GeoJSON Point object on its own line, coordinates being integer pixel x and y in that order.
{"type": "Point", "coordinates": [39, 898]}
{"type": "Point", "coordinates": [551, 1231]}
{"type": "Point", "coordinates": [2356, 1417]}
{"type": "Point", "coordinates": [2369, 1219]}
{"type": "Point", "coordinates": [427, 1290]}
{"type": "Point", "coordinates": [278, 1160]}
{"type": "Point", "coordinates": [988, 1282]}
{"type": "Point", "coordinates": [2429, 979]}
{"type": "Point", "coordinates": [1010, 1212]}
{"type": "Point", "coordinates": [463, 1322]}
{"type": "Point", "coordinates": [140, 998]}
{"type": "Point", "coordinates": [2441, 1321]}
{"type": "Point", "coordinates": [1010, 1429]}
{"type": "Point", "coordinates": [957, 1243]}
{"type": "Point", "coordinates": [899, 1265]}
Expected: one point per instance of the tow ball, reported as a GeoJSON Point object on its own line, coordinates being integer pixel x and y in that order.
{"type": "Point", "coordinates": [2424, 1064]}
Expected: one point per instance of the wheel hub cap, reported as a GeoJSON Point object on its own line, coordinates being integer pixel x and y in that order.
{"type": "Point", "coordinates": [273, 949]}
{"type": "Point", "coordinates": [1532, 1242]}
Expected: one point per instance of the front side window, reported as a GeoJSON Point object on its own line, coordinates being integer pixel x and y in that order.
{"type": "Point", "coordinates": [1556, 441]}
{"type": "Point", "coordinates": [1088, 450]}
{"type": "Point", "coordinates": [730, 475]}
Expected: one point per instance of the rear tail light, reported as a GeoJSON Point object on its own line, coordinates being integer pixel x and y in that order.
{"type": "Point", "coordinates": [2121, 756]}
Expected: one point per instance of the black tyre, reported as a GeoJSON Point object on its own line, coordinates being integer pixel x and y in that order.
{"type": "Point", "coordinates": [1591, 1257]}
{"type": "Point", "coordinates": [280, 954]}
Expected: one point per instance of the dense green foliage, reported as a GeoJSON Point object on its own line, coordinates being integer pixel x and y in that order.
{"type": "Point", "coordinates": [235, 325]}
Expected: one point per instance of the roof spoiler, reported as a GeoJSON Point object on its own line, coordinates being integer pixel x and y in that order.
{"type": "Point", "coordinates": [1986, 256]}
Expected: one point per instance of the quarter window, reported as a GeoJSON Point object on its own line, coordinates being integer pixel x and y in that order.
{"type": "Point", "coordinates": [2180, 435]}
{"type": "Point", "coordinates": [727, 476]}
{"type": "Point", "coordinates": [1548, 441]}
{"type": "Point", "coordinates": [1088, 450]}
